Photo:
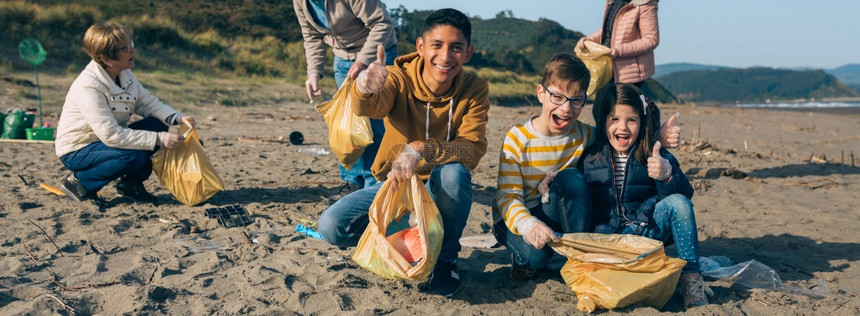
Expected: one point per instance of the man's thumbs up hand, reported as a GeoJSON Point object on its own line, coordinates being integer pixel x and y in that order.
{"type": "Point", "coordinates": [658, 167]}
{"type": "Point", "coordinates": [372, 79]}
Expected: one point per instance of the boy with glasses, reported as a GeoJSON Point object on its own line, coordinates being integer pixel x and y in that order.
{"type": "Point", "coordinates": [540, 191]}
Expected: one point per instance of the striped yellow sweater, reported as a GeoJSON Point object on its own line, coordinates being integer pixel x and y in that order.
{"type": "Point", "coordinates": [525, 158]}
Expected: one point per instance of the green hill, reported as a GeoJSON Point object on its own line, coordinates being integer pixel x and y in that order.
{"type": "Point", "coordinates": [233, 38]}
{"type": "Point", "coordinates": [754, 85]}
{"type": "Point", "coordinates": [666, 69]}
{"type": "Point", "coordinates": [849, 74]}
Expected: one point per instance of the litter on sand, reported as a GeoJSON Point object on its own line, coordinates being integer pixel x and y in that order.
{"type": "Point", "coordinates": [230, 216]}
{"type": "Point", "coordinates": [756, 275]}
{"type": "Point", "coordinates": [479, 241]}
{"type": "Point", "coordinates": [307, 231]}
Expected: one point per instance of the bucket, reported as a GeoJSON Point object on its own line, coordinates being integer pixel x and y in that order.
{"type": "Point", "coordinates": [40, 133]}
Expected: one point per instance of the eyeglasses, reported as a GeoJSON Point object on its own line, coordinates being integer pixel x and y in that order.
{"type": "Point", "coordinates": [125, 49]}
{"type": "Point", "coordinates": [576, 103]}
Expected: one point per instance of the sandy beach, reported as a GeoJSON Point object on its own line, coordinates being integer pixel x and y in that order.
{"type": "Point", "coordinates": [775, 186]}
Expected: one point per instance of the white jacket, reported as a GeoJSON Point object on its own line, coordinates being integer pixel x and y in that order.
{"type": "Point", "coordinates": [96, 109]}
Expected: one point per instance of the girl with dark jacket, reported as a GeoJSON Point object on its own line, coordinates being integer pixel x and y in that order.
{"type": "Point", "coordinates": [637, 187]}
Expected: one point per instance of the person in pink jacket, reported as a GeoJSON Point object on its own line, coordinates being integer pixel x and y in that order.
{"type": "Point", "coordinates": [630, 30]}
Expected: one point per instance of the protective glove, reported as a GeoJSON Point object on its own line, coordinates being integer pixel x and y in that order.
{"type": "Point", "coordinates": [658, 167]}
{"type": "Point", "coordinates": [355, 69]}
{"type": "Point", "coordinates": [670, 134]}
{"type": "Point", "coordinates": [168, 140]}
{"type": "Point", "coordinates": [543, 186]}
{"type": "Point", "coordinates": [187, 120]}
{"type": "Point", "coordinates": [535, 232]}
{"type": "Point", "coordinates": [404, 165]}
{"type": "Point", "coordinates": [312, 86]}
{"type": "Point", "coordinates": [372, 79]}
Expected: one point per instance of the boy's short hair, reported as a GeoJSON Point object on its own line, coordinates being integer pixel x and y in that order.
{"type": "Point", "coordinates": [103, 40]}
{"type": "Point", "coordinates": [450, 17]}
{"type": "Point", "coordinates": [565, 70]}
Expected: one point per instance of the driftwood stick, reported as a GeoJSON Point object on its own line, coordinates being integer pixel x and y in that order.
{"type": "Point", "coordinates": [29, 253]}
{"type": "Point", "coordinates": [46, 235]}
{"type": "Point", "coordinates": [66, 307]}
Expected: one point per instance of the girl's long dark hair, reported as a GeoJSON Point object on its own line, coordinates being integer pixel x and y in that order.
{"type": "Point", "coordinates": [622, 93]}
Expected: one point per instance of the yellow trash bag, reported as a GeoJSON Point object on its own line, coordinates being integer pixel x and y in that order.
{"type": "Point", "coordinates": [612, 270]}
{"type": "Point", "coordinates": [185, 171]}
{"type": "Point", "coordinates": [599, 63]}
{"type": "Point", "coordinates": [348, 134]}
{"type": "Point", "coordinates": [374, 251]}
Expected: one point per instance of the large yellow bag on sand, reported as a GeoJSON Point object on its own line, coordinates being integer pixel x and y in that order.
{"type": "Point", "coordinates": [599, 64]}
{"type": "Point", "coordinates": [185, 171]}
{"type": "Point", "coordinates": [611, 270]}
{"type": "Point", "coordinates": [348, 134]}
{"type": "Point", "coordinates": [374, 251]}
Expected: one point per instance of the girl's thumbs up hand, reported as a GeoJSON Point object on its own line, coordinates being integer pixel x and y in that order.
{"type": "Point", "coordinates": [658, 167]}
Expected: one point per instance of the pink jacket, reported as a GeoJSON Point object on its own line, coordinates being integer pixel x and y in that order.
{"type": "Point", "coordinates": [635, 35]}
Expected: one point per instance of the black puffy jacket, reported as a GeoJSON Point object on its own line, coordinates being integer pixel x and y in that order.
{"type": "Point", "coordinates": [639, 195]}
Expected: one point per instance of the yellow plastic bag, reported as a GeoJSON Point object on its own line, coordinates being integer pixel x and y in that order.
{"type": "Point", "coordinates": [611, 270]}
{"type": "Point", "coordinates": [599, 63]}
{"type": "Point", "coordinates": [374, 251]}
{"type": "Point", "coordinates": [348, 134]}
{"type": "Point", "coordinates": [185, 171]}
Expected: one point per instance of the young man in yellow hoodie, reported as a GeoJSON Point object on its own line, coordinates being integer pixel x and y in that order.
{"type": "Point", "coordinates": [435, 120]}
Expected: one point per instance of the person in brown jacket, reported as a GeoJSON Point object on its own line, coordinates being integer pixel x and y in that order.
{"type": "Point", "coordinates": [353, 28]}
{"type": "Point", "coordinates": [435, 119]}
{"type": "Point", "coordinates": [630, 30]}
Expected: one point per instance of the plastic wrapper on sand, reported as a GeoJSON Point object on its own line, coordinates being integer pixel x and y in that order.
{"type": "Point", "coordinates": [374, 251]}
{"type": "Point", "coordinates": [611, 271]}
{"type": "Point", "coordinates": [348, 134]}
{"type": "Point", "coordinates": [185, 171]}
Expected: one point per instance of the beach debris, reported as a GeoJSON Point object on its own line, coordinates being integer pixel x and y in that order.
{"type": "Point", "coordinates": [230, 215]}
{"type": "Point", "coordinates": [198, 244]}
{"type": "Point", "coordinates": [714, 173]}
{"type": "Point", "coordinates": [307, 231]}
{"type": "Point", "coordinates": [314, 150]}
{"type": "Point", "coordinates": [296, 138]}
{"type": "Point", "coordinates": [819, 160]}
{"type": "Point", "coordinates": [756, 275]}
{"type": "Point", "coordinates": [52, 189]}
{"type": "Point", "coordinates": [307, 222]}
{"type": "Point", "coordinates": [265, 139]}
{"type": "Point", "coordinates": [479, 241]}
{"type": "Point", "coordinates": [817, 183]}
{"type": "Point", "coordinates": [49, 237]}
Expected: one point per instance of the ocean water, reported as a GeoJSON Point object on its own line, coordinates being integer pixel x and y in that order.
{"type": "Point", "coordinates": [802, 105]}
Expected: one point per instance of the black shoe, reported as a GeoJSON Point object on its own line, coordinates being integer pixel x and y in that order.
{"type": "Point", "coordinates": [521, 273]}
{"type": "Point", "coordinates": [72, 187]}
{"type": "Point", "coordinates": [343, 190]}
{"type": "Point", "coordinates": [444, 280]}
{"type": "Point", "coordinates": [135, 191]}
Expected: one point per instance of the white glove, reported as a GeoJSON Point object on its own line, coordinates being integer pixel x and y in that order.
{"type": "Point", "coordinates": [670, 134]}
{"type": "Point", "coordinates": [658, 167]}
{"type": "Point", "coordinates": [312, 86]}
{"type": "Point", "coordinates": [535, 232]}
{"type": "Point", "coordinates": [167, 140]}
{"type": "Point", "coordinates": [372, 79]}
{"type": "Point", "coordinates": [403, 167]}
{"type": "Point", "coordinates": [543, 186]}
{"type": "Point", "coordinates": [187, 120]}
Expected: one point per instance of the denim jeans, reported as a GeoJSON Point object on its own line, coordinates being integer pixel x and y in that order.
{"type": "Point", "coordinates": [360, 173]}
{"type": "Point", "coordinates": [567, 211]}
{"type": "Point", "coordinates": [450, 186]}
{"type": "Point", "coordinates": [96, 165]}
{"type": "Point", "coordinates": [673, 218]}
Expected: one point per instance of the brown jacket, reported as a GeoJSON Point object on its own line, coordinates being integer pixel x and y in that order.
{"type": "Point", "coordinates": [357, 27]}
{"type": "Point", "coordinates": [635, 35]}
{"type": "Point", "coordinates": [403, 104]}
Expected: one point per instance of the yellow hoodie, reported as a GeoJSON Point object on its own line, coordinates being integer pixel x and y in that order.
{"type": "Point", "coordinates": [404, 104]}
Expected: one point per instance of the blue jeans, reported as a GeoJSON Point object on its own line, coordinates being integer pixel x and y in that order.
{"type": "Point", "coordinates": [360, 173]}
{"type": "Point", "coordinates": [450, 186]}
{"type": "Point", "coordinates": [673, 218]}
{"type": "Point", "coordinates": [567, 211]}
{"type": "Point", "coordinates": [96, 165]}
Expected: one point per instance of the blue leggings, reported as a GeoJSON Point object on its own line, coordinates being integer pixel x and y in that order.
{"type": "Point", "coordinates": [673, 218]}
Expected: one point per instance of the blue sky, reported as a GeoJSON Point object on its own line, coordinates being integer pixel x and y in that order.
{"type": "Point", "coordinates": [734, 33]}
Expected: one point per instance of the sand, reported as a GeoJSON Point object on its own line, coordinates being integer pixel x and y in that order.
{"type": "Point", "coordinates": [758, 196]}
